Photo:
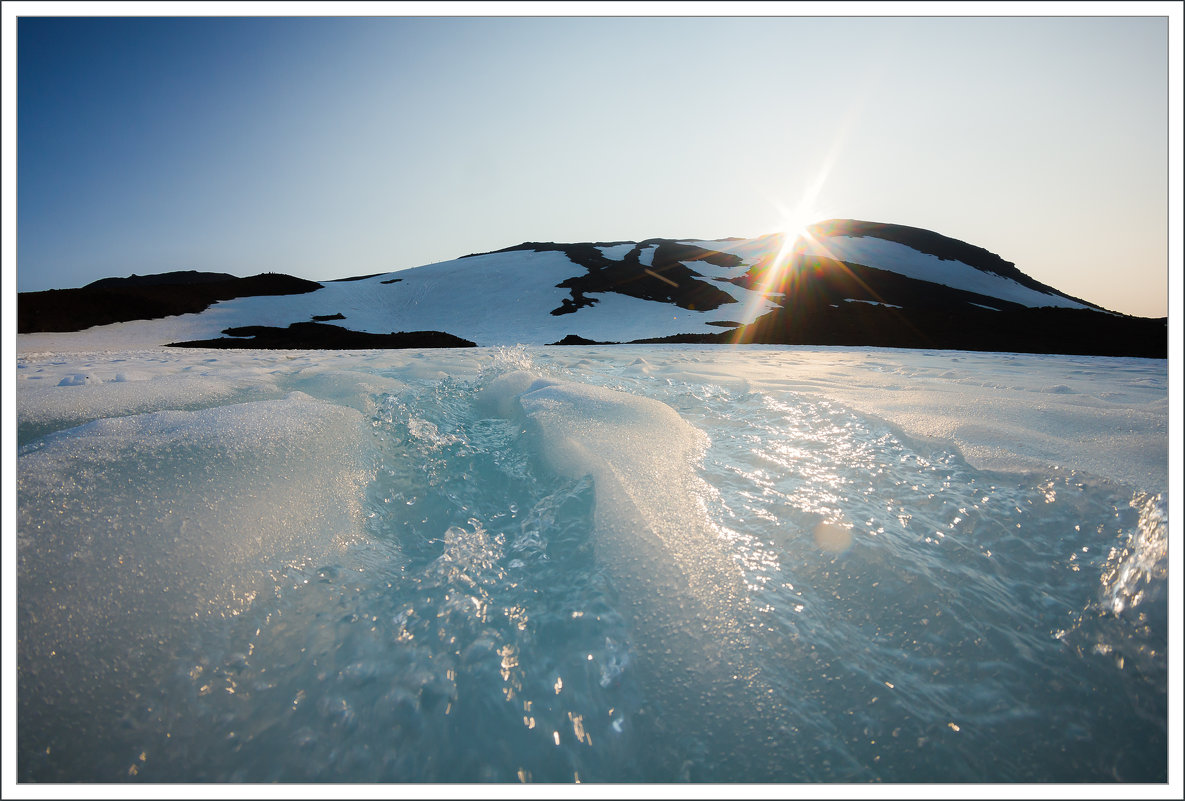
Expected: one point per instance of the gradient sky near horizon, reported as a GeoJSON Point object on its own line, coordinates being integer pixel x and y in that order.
{"type": "Point", "coordinates": [332, 147]}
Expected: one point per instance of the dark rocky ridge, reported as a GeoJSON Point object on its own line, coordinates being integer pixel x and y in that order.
{"type": "Point", "coordinates": [573, 339]}
{"type": "Point", "coordinates": [1014, 330]}
{"type": "Point", "coordinates": [356, 278]}
{"type": "Point", "coordinates": [118, 300]}
{"type": "Point", "coordinates": [161, 279]}
{"type": "Point", "coordinates": [320, 336]}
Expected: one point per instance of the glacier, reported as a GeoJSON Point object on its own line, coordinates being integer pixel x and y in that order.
{"type": "Point", "coordinates": [627, 563]}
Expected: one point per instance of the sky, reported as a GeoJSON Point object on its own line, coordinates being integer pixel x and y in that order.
{"type": "Point", "coordinates": [326, 147]}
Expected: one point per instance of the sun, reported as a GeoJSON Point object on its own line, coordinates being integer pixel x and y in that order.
{"type": "Point", "coordinates": [795, 226]}
{"type": "Point", "coordinates": [795, 230]}
{"type": "Point", "coordinates": [793, 236]}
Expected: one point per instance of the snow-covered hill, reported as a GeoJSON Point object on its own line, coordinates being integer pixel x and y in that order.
{"type": "Point", "coordinates": [842, 282]}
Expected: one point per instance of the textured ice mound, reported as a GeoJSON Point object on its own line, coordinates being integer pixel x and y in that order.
{"type": "Point", "coordinates": [641, 455]}
{"type": "Point", "coordinates": [680, 588]}
{"type": "Point", "coordinates": [133, 528]}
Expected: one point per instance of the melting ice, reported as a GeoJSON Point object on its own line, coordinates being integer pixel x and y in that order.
{"type": "Point", "coordinates": [591, 564]}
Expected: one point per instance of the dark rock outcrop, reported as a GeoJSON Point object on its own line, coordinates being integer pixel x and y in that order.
{"type": "Point", "coordinates": [161, 279]}
{"type": "Point", "coordinates": [1018, 329]}
{"type": "Point", "coordinates": [356, 278]}
{"type": "Point", "coordinates": [573, 339]}
{"type": "Point", "coordinates": [319, 336]}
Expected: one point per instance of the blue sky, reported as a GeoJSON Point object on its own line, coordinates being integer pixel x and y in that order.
{"type": "Point", "coordinates": [329, 147]}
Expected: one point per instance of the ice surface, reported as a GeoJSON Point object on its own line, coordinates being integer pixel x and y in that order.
{"type": "Point", "coordinates": [642, 457]}
{"type": "Point", "coordinates": [647, 563]}
{"type": "Point", "coordinates": [44, 409]}
{"type": "Point", "coordinates": [132, 528]}
{"type": "Point", "coordinates": [681, 590]}
{"type": "Point", "coordinates": [1110, 418]}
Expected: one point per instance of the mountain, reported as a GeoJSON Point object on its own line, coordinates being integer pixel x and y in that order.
{"type": "Point", "coordinates": [842, 282]}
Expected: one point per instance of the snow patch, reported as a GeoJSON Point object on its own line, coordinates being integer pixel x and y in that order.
{"type": "Point", "coordinates": [753, 303]}
{"type": "Point", "coordinates": [709, 270]}
{"type": "Point", "coordinates": [750, 251]}
{"type": "Point", "coordinates": [872, 302]}
{"type": "Point", "coordinates": [616, 252]}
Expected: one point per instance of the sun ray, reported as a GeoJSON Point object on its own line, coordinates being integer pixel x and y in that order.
{"type": "Point", "coordinates": [796, 232]}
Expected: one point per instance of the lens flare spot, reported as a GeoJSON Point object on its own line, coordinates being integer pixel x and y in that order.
{"type": "Point", "coordinates": [833, 537]}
